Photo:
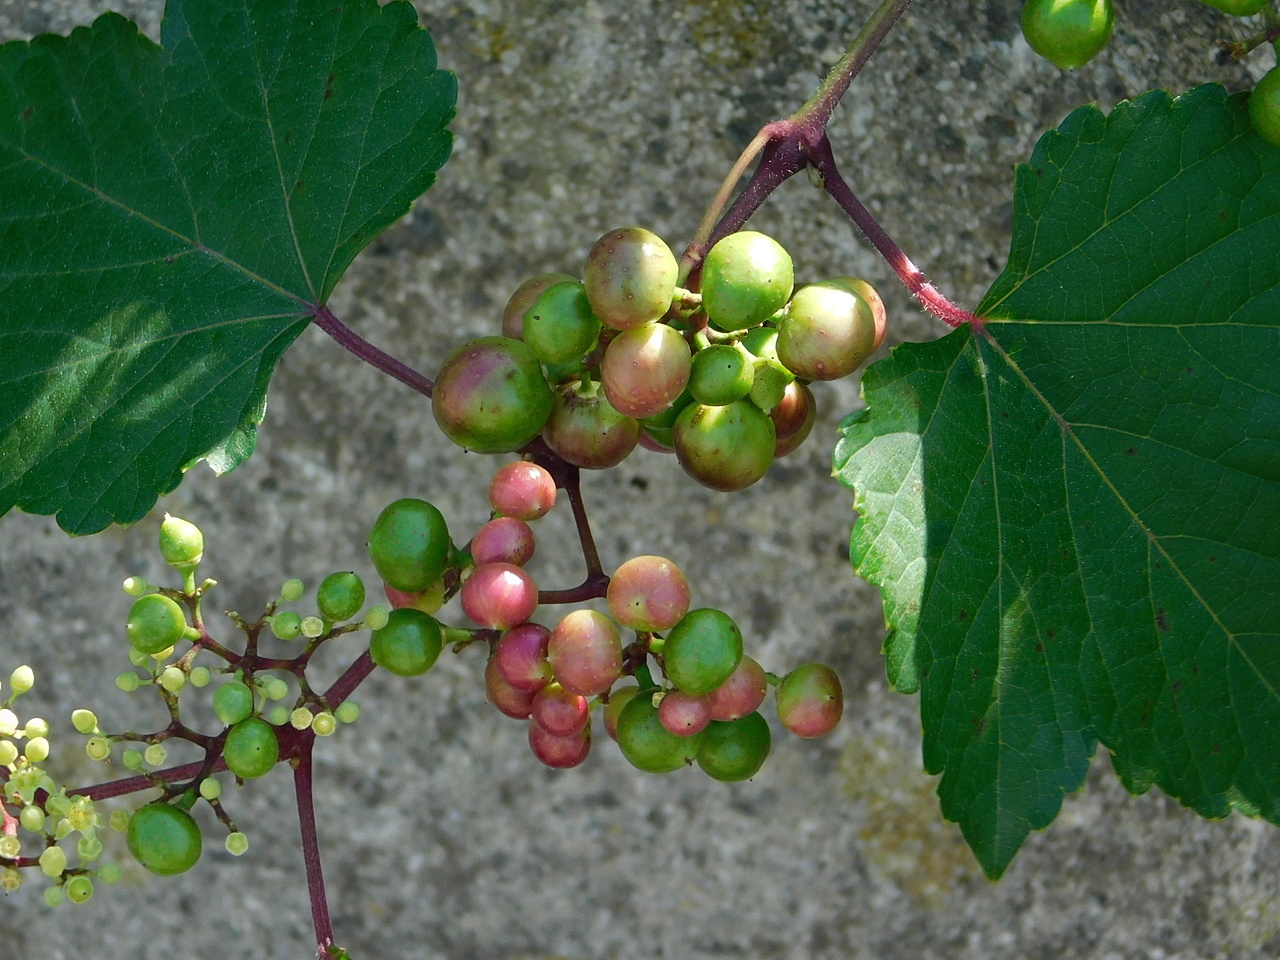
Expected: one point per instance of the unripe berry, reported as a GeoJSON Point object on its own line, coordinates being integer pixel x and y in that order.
{"type": "Point", "coordinates": [630, 277]}
{"type": "Point", "coordinates": [181, 542]}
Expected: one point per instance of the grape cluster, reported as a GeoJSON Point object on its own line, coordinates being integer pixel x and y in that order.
{"type": "Point", "coordinates": [706, 710]}
{"type": "Point", "coordinates": [1070, 33]}
{"type": "Point", "coordinates": [624, 356]}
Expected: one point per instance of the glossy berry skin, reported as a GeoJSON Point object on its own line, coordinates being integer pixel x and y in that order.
{"type": "Point", "coordinates": [585, 652]}
{"type": "Point", "coordinates": [523, 490]}
{"type": "Point", "coordinates": [827, 332]}
{"type": "Point", "coordinates": [340, 596]}
{"type": "Point", "coordinates": [647, 744]}
{"type": "Point", "coordinates": [588, 432]}
{"type": "Point", "coordinates": [684, 714]}
{"type": "Point", "coordinates": [721, 374]}
{"type": "Point", "coordinates": [1264, 106]}
{"type": "Point", "coordinates": [408, 645]}
{"type": "Point", "coordinates": [645, 369]}
{"type": "Point", "coordinates": [499, 595]}
{"type": "Point", "coordinates": [648, 593]}
{"type": "Point", "coordinates": [520, 656]}
{"type": "Point", "coordinates": [559, 326]}
{"type": "Point", "coordinates": [181, 542]}
{"type": "Point", "coordinates": [793, 418]}
{"type": "Point", "coordinates": [233, 701]}
{"type": "Point", "coordinates": [491, 396]}
{"type": "Point", "coordinates": [523, 298]}
{"type": "Point", "coordinates": [155, 623]}
{"type": "Point", "coordinates": [617, 700]}
{"type": "Point", "coordinates": [251, 748]}
{"type": "Point", "coordinates": [810, 700]}
{"type": "Point", "coordinates": [742, 693]}
{"type": "Point", "coordinates": [503, 540]}
{"type": "Point", "coordinates": [164, 838]}
{"type": "Point", "coordinates": [559, 753]}
{"type": "Point", "coordinates": [509, 700]}
{"type": "Point", "coordinates": [409, 544]}
{"type": "Point", "coordinates": [1067, 33]}
{"type": "Point", "coordinates": [630, 277]}
{"type": "Point", "coordinates": [746, 278]}
{"type": "Point", "coordinates": [873, 299]}
{"type": "Point", "coordinates": [702, 650]}
{"type": "Point", "coordinates": [725, 448]}
{"type": "Point", "coordinates": [735, 750]}
{"type": "Point", "coordinates": [558, 711]}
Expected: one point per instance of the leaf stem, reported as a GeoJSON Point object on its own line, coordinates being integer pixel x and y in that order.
{"type": "Point", "coordinates": [327, 321]}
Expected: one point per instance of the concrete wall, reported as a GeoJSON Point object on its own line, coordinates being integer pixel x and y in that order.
{"type": "Point", "coordinates": [442, 836]}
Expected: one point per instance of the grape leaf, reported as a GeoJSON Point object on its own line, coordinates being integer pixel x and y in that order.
{"type": "Point", "coordinates": [170, 217]}
{"type": "Point", "coordinates": [1074, 512]}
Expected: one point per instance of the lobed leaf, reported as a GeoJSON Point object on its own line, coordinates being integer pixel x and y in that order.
{"type": "Point", "coordinates": [170, 217]}
{"type": "Point", "coordinates": [1074, 513]}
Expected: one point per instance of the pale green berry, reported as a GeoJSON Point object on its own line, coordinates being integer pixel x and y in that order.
{"type": "Point", "coordinates": [98, 748]}
{"type": "Point", "coordinates": [128, 682]}
{"type": "Point", "coordinates": [8, 722]}
{"type": "Point", "coordinates": [278, 716]}
{"type": "Point", "coordinates": [286, 625]}
{"type": "Point", "coordinates": [10, 879]}
{"type": "Point", "coordinates": [237, 843]}
{"type": "Point", "coordinates": [210, 788]}
{"type": "Point", "coordinates": [375, 618]}
{"type": "Point", "coordinates": [32, 818]}
{"type": "Point", "coordinates": [119, 820]}
{"type": "Point", "coordinates": [312, 627]}
{"type": "Point", "coordinates": [53, 861]}
{"type": "Point", "coordinates": [348, 711]}
{"type": "Point", "coordinates": [109, 872]}
{"type": "Point", "coordinates": [291, 591]}
{"type": "Point", "coordinates": [52, 896]}
{"type": "Point", "coordinates": [10, 846]}
{"type": "Point", "coordinates": [181, 542]}
{"type": "Point", "coordinates": [8, 752]}
{"type": "Point", "coordinates": [173, 679]}
{"type": "Point", "coordinates": [37, 749]}
{"type": "Point", "coordinates": [21, 680]}
{"type": "Point", "coordinates": [135, 586]}
{"type": "Point", "coordinates": [323, 724]}
{"type": "Point", "coordinates": [79, 889]}
{"type": "Point", "coordinates": [200, 676]}
{"type": "Point", "coordinates": [274, 688]}
{"type": "Point", "coordinates": [36, 727]}
{"type": "Point", "coordinates": [300, 718]}
{"type": "Point", "coordinates": [155, 754]}
{"type": "Point", "coordinates": [132, 759]}
{"type": "Point", "coordinates": [85, 721]}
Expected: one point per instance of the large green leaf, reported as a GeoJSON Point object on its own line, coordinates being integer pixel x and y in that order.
{"type": "Point", "coordinates": [171, 215]}
{"type": "Point", "coordinates": [1074, 513]}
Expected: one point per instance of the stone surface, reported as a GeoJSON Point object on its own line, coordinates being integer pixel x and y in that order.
{"type": "Point", "coordinates": [443, 838]}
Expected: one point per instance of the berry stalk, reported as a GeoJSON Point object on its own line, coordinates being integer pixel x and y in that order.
{"type": "Point", "coordinates": [327, 321]}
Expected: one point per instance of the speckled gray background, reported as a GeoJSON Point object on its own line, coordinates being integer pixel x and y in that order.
{"type": "Point", "coordinates": [443, 838]}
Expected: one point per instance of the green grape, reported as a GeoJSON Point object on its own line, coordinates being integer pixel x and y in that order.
{"type": "Point", "coordinates": [559, 327]}
{"type": "Point", "coordinates": [348, 712]}
{"type": "Point", "coordinates": [211, 788]}
{"type": "Point", "coordinates": [340, 596]}
{"type": "Point", "coordinates": [164, 838]}
{"type": "Point", "coordinates": [79, 889]}
{"type": "Point", "coordinates": [135, 586]}
{"type": "Point", "coordinates": [1067, 33]}
{"type": "Point", "coordinates": [746, 278]}
{"type": "Point", "coordinates": [725, 448]}
{"type": "Point", "coordinates": [109, 872]}
{"type": "Point", "coordinates": [273, 688]}
{"type": "Point", "coordinates": [172, 679]}
{"type": "Point", "coordinates": [32, 818]}
{"type": "Point", "coordinates": [702, 650]}
{"type": "Point", "coordinates": [286, 625]}
{"type": "Point", "coordinates": [647, 744]}
{"type": "Point", "coordinates": [291, 590]}
{"type": "Point", "coordinates": [734, 750]}
{"type": "Point", "coordinates": [375, 618]}
{"type": "Point", "coordinates": [826, 332]}
{"type": "Point", "coordinates": [236, 843]}
{"type": "Point", "coordinates": [1264, 106]}
{"type": "Point", "coordinates": [128, 682]}
{"type": "Point", "coordinates": [132, 759]}
{"type": "Point", "coordinates": [490, 397]}
{"type": "Point", "coordinates": [233, 701]}
{"type": "Point", "coordinates": [522, 299]}
{"type": "Point", "coordinates": [85, 721]}
{"type": "Point", "coordinates": [155, 622]}
{"type": "Point", "coordinates": [409, 544]}
{"type": "Point", "coordinates": [278, 716]}
{"type": "Point", "coordinates": [629, 277]}
{"type": "Point", "coordinates": [200, 676]}
{"type": "Point", "coordinates": [1237, 8]}
{"type": "Point", "coordinates": [52, 896]}
{"type": "Point", "coordinates": [181, 542]}
{"type": "Point", "coordinates": [251, 748]}
{"type": "Point", "coordinates": [409, 644]}
{"type": "Point", "coordinates": [721, 374]}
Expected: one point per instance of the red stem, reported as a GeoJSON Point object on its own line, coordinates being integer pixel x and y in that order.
{"type": "Point", "coordinates": [302, 784]}
{"type": "Point", "coordinates": [366, 351]}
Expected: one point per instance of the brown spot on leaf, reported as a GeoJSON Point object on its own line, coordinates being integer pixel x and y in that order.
{"type": "Point", "coordinates": [1162, 621]}
{"type": "Point", "coordinates": [1130, 452]}
{"type": "Point", "coordinates": [27, 113]}
{"type": "Point", "coordinates": [964, 614]}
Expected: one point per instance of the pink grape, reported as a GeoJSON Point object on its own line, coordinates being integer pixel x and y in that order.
{"type": "Point", "coordinates": [585, 652]}
{"type": "Point", "coordinates": [648, 593]}
{"type": "Point", "coordinates": [521, 655]}
{"type": "Point", "coordinates": [503, 540]}
{"type": "Point", "coordinates": [522, 489]}
{"type": "Point", "coordinates": [516, 704]}
{"type": "Point", "coordinates": [810, 700]}
{"type": "Point", "coordinates": [645, 369]}
{"type": "Point", "coordinates": [559, 711]}
{"type": "Point", "coordinates": [684, 714]}
{"type": "Point", "coordinates": [559, 753]}
{"type": "Point", "coordinates": [499, 595]}
{"type": "Point", "coordinates": [741, 694]}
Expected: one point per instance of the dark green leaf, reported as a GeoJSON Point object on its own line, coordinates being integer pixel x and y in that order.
{"type": "Point", "coordinates": [1075, 514]}
{"type": "Point", "coordinates": [169, 218]}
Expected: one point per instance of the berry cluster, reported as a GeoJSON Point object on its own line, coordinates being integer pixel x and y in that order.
{"type": "Point", "coordinates": [625, 357]}
{"type": "Point", "coordinates": [705, 712]}
{"type": "Point", "coordinates": [1070, 33]}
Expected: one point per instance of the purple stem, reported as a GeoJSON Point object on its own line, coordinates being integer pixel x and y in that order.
{"type": "Point", "coordinates": [366, 351]}
{"type": "Point", "coordinates": [311, 849]}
